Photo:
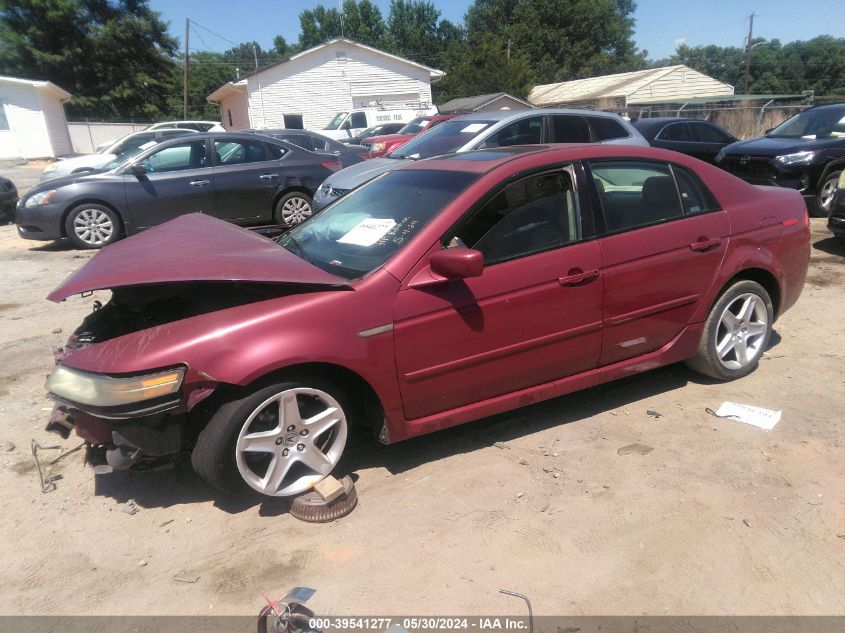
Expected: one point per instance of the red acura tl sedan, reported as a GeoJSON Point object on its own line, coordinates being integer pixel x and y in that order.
{"type": "Point", "coordinates": [442, 292]}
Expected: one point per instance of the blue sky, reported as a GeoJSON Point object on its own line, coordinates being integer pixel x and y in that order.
{"type": "Point", "coordinates": [661, 24]}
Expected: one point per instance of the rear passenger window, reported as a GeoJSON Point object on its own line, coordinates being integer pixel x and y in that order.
{"type": "Point", "coordinates": [695, 197]}
{"type": "Point", "coordinates": [276, 152]}
{"type": "Point", "coordinates": [706, 133]}
{"type": "Point", "coordinates": [300, 140]}
{"type": "Point", "coordinates": [570, 129]}
{"type": "Point", "coordinates": [523, 132]}
{"type": "Point", "coordinates": [239, 152]}
{"type": "Point", "coordinates": [605, 129]}
{"type": "Point", "coordinates": [532, 215]}
{"type": "Point", "coordinates": [675, 132]}
{"type": "Point", "coordinates": [635, 193]}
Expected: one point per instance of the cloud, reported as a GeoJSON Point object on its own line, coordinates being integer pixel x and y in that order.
{"type": "Point", "coordinates": [680, 41]}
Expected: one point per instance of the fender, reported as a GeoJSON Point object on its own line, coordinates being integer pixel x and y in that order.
{"type": "Point", "coordinates": [838, 163]}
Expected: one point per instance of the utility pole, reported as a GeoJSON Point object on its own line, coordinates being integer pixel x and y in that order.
{"type": "Point", "coordinates": [185, 76]}
{"type": "Point", "coordinates": [748, 49]}
{"type": "Point", "coordinates": [509, 50]}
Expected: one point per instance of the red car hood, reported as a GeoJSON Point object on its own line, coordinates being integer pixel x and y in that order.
{"type": "Point", "coordinates": [192, 247]}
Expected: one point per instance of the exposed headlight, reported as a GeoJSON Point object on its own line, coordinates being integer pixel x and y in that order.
{"type": "Point", "coordinates": [98, 390]}
{"type": "Point", "coordinates": [44, 197]}
{"type": "Point", "coordinates": [798, 158]}
{"type": "Point", "coordinates": [377, 147]}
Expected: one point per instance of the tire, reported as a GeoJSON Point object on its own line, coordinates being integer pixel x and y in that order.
{"type": "Point", "coordinates": [293, 208]}
{"type": "Point", "coordinates": [723, 357]}
{"type": "Point", "coordinates": [93, 226]}
{"type": "Point", "coordinates": [245, 448]}
{"type": "Point", "coordinates": [824, 198]}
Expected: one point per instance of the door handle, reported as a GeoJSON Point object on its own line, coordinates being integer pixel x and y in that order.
{"type": "Point", "coordinates": [577, 277]}
{"type": "Point", "coordinates": [268, 176]}
{"type": "Point", "coordinates": [199, 183]}
{"type": "Point", "coordinates": [704, 245]}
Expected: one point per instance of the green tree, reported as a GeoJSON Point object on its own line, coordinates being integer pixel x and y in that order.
{"type": "Point", "coordinates": [483, 68]}
{"type": "Point", "coordinates": [114, 56]}
{"type": "Point", "coordinates": [362, 22]}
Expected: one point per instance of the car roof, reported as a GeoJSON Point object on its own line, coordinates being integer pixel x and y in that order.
{"type": "Point", "coordinates": [507, 115]}
{"type": "Point", "coordinates": [482, 161]}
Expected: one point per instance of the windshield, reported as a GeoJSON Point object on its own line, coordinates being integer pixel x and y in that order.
{"type": "Point", "coordinates": [336, 121]}
{"type": "Point", "coordinates": [366, 227]}
{"type": "Point", "coordinates": [445, 138]}
{"type": "Point", "coordinates": [129, 143]}
{"type": "Point", "coordinates": [812, 124]}
{"type": "Point", "coordinates": [414, 127]}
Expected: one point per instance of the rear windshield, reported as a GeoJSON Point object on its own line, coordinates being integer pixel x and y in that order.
{"type": "Point", "coordinates": [414, 127]}
{"type": "Point", "coordinates": [445, 138]}
{"type": "Point", "coordinates": [366, 227]}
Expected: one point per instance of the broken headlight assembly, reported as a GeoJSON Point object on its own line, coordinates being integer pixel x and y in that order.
{"type": "Point", "coordinates": [100, 391]}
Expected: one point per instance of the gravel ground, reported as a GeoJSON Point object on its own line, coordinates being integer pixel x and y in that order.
{"type": "Point", "coordinates": [719, 518]}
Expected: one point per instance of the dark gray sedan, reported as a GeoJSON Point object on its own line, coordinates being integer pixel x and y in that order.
{"type": "Point", "coordinates": [8, 200]}
{"type": "Point", "coordinates": [247, 179]}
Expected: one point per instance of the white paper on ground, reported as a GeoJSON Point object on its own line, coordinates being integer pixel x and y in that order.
{"type": "Point", "coordinates": [368, 232]}
{"type": "Point", "coordinates": [755, 416]}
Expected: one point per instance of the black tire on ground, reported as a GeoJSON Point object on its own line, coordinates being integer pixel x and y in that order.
{"type": "Point", "coordinates": [214, 456]}
{"type": "Point", "coordinates": [825, 191]}
{"type": "Point", "coordinates": [292, 208]}
{"type": "Point", "coordinates": [706, 360]}
{"type": "Point", "coordinates": [93, 226]}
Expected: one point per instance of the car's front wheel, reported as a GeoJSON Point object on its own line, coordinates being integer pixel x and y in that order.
{"type": "Point", "coordinates": [293, 208]}
{"type": "Point", "coordinates": [278, 441]}
{"type": "Point", "coordinates": [736, 333]}
{"type": "Point", "coordinates": [824, 198]}
{"type": "Point", "coordinates": [92, 226]}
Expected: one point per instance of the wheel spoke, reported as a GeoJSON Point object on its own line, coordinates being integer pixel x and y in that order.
{"type": "Point", "coordinates": [756, 329]}
{"type": "Point", "coordinates": [741, 350]}
{"type": "Point", "coordinates": [261, 442]}
{"type": "Point", "coordinates": [316, 460]}
{"type": "Point", "coordinates": [729, 320]}
{"type": "Point", "coordinates": [724, 346]}
{"type": "Point", "coordinates": [747, 310]}
{"type": "Point", "coordinates": [322, 421]}
{"type": "Point", "coordinates": [289, 410]}
{"type": "Point", "coordinates": [276, 473]}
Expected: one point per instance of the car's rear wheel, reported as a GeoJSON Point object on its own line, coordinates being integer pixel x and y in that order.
{"type": "Point", "coordinates": [278, 441]}
{"type": "Point", "coordinates": [824, 198]}
{"type": "Point", "coordinates": [92, 226]}
{"type": "Point", "coordinates": [293, 208]}
{"type": "Point", "coordinates": [736, 333]}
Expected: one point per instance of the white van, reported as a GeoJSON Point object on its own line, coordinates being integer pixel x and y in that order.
{"type": "Point", "coordinates": [348, 124]}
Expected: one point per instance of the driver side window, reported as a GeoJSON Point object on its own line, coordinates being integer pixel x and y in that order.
{"type": "Point", "coordinates": [177, 158]}
{"type": "Point", "coordinates": [534, 214]}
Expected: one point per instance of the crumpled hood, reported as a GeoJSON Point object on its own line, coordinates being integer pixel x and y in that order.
{"type": "Point", "coordinates": [356, 175]}
{"type": "Point", "coordinates": [773, 146]}
{"type": "Point", "coordinates": [193, 247]}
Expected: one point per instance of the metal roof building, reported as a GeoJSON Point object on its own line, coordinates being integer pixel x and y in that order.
{"type": "Point", "coordinates": [654, 85]}
{"type": "Point", "coordinates": [483, 103]}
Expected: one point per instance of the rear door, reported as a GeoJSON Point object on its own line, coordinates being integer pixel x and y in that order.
{"type": "Point", "coordinates": [533, 316]}
{"type": "Point", "coordinates": [709, 139]}
{"type": "Point", "coordinates": [178, 181]}
{"type": "Point", "coordinates": [569, 128]}
{"type": "Point", "coordinates": [246, 174]}
{"type": "Point", "coordinates": [527, 131]}
{"type": "Point", "coordinates": [664, 238]}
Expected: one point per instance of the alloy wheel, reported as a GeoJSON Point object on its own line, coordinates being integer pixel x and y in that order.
{"type": "Point", "coordinates": [742, 331]}
{"type": "Point", "coordinates": [827, 192]}
{"type": "Point", "coordinates": [295, 210]}
{"type": "Point", "coordinates": [93, 227]}
{"type": "Point", "coordinates": [291, 441]}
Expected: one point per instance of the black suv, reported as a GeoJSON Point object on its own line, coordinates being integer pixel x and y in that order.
{"type": "Point", "coordinates": [806, 152]}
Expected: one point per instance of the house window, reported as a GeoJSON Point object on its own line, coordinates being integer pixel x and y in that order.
{"type": "Point", "coordinates": [4, 122]}
{"type": "Point", "coordinates": [293, 121]}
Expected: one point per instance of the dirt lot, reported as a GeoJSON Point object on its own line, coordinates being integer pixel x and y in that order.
{"type": "Point", "coordinates": [720, 518]}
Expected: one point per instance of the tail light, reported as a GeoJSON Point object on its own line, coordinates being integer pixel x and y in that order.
{"type": "Point", "coordinates": [332, 164]}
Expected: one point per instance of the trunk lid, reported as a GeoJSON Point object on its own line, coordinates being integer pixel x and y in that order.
{"type": "Point", "coordinates": [192, 247]}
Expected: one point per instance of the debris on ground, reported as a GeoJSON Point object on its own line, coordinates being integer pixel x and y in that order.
{"type": "Point", "coordinates": [653, 413]}
{"type": "Point", "coordinates": [130, 507]}
{"type": "Point", "coordinates": [48, 482]}
{"type": "Point", "coordinates": [329, 489]}
{"type": "Point", "coordinates": [57, 330]}
{"type": "Point", "coordinates": [631, 449]}
{"type": "Point", "coordinates": [312, 508]}
{"type": "Point", "coordinates": [755, 416]}
{"type": "Point", "coordinates": [9, 447]}
{"type": "Point", "coordinates": [186, 577]}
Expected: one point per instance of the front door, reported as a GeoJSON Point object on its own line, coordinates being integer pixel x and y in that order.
{"type": "Point", "coordinates": [533, 316]}
{"type": "Point", "coordinates": [178, 181]}
{"type": "Point", "coordinates": [665, 240]}
{"type": "Point", "coordinates": [246, 177]}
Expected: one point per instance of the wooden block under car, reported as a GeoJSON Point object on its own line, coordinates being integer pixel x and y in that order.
{"type": "Point", "coordinates": [329, 489]}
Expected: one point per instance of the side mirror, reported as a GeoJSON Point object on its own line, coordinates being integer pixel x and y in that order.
{"type": "Point", "coordinates": [347, 125]}
{"type": "Point", "coordinates": [457, 263]}
{"type": "Point", "coordinates": [138, 169]}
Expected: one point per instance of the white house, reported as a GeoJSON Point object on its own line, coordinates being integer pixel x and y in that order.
{"type": "Point", "coordinates": [308, 89]}
{"type": "Point", "coordinates": [32, 119]}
